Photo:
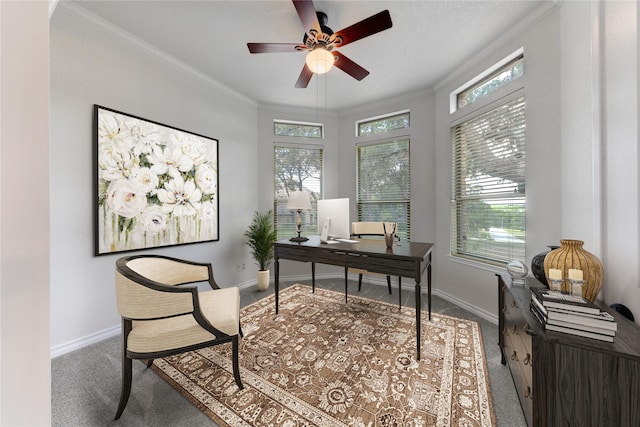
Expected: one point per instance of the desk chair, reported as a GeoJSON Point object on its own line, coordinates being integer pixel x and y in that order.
{"type": "Point", "coordinates": [368, 229]}
{"type": "Point", "coordinates": [161, 318]}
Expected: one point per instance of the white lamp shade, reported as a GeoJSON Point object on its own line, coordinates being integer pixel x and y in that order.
{"type": "Point", "coordinates": [299, 200]}
{"type": "Point", "coordinates": [319, 60]}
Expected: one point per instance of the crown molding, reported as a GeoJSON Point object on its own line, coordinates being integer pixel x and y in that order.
{"type": "Point", "coordinates": [152, 50]}
{"type": "Point", "coordinates": [529, 21]}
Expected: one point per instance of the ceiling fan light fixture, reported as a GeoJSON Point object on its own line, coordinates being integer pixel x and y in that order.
{"type": "Point", "coordinates": [319, 60]}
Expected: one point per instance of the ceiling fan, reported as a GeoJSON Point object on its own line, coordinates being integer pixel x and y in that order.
{"type": "Point", "coordinates": [320, 42]}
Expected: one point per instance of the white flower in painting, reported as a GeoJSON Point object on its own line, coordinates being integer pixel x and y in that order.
{"type": "Point", "coordinates": [180, 198]}
{"type": "Point", "coordinates": [154, 219]}
{"type": "Point", "coordinates": [111, 130]}
{"type": "Point", "coordinates": [207, 211]}
{"type": "Point", "coordinates": [169, 161]}
{"type": "Point", "coordinates": [144, 137]}
{"type": "Point", "coordinates": [206, 179]}
{"type": "Point", "coordinates": [191, 146]}
{"type": "Point", "coordinates": [146, 179]}
{"type": "Point", "coordinates": [125, 198]}
{"type": "Point", "coordinates": [114, 162]}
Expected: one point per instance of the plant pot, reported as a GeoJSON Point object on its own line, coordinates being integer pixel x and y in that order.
{"type": "Point", "coordinates": [263, 280]}
{"type": "Point", "coordinates": [571, 255]}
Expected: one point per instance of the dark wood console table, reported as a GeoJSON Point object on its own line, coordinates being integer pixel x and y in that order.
{"type": "Point", "coordinates": [567, 380]}
{"type": "Point", "coordinates": [410, 259]}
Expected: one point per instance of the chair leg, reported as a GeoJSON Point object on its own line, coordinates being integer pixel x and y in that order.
{"type": "Point", "coordinates": [126, 385]}
{"type": "Point", "coordinates": [359, 282]}
{"type": "Point", "coordinates": [126, 369]}
{"type": "Point", "coordinates": [149, 363]}
{"type": "Point", "coordinates": [236, 362]}
{"type": "Point", "coordinates": [399, 292]}
{"type": "Point", "coordinates": [389, 284]}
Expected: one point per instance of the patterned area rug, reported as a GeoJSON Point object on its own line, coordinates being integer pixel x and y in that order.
{"type": "Point", "coordinates": [322, 362]}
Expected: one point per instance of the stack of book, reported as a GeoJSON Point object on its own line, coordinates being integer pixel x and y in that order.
{"type": "Point", "coordinates": [572, 315]}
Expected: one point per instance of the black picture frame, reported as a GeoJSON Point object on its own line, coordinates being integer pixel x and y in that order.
{"type": "Point", "coordinates": [155, 185]}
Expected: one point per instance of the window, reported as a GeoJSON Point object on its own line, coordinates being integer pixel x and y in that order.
{"type": "Point", "coordinates": [383, 124]}
{"type": "Point", "coordinates": [383, 190]}
{"type": "Point", "coordinates": [488, 203]}
{"type": "Point", "coordinates": [506, 74]}
{"type": "Point", "coordinates": [288, 128]}
{"type": "Point", "coordinates": [296, 168]}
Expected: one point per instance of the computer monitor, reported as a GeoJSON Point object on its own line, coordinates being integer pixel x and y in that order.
{"type": "Point", "coordinates": [338, 212]}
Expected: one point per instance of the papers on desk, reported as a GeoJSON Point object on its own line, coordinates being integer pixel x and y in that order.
{"type": "Point", "coordinates": [346, 241]}
{"type": "Point", "coordinates": [338, 240]}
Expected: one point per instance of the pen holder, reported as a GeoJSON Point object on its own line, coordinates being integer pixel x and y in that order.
{"type": "Point", "coordinates": [388, 239]}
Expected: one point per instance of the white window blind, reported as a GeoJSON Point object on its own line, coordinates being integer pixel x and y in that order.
{"type": "Point", "coordinates": [384, 184]}
{"type": "Point", "coordinates": [488, 206]}
{"type": "Point", "coordinates": [296, 168]}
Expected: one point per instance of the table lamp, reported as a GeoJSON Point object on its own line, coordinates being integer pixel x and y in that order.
{"type": "Point", "coordinates": [299, 200]}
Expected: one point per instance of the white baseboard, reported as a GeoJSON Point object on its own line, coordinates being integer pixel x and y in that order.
{"type": "Point", "coordinates": [488, 316]}
{"type": "Point", "coordinates": [79, 343]}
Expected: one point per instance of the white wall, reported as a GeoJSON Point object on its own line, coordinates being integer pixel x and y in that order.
{"type": "Point", "coordinates": [25, 367]}
{"type": "Point", "coordinates": [621, 41]}
{"type": "Point", "coordinates": [332, 181]}
{"type": "Point", "coordinates": [476, 285]}
{"type": "Point", "coordinates": [93, 64]}
{"type": "Point", "coordinates": [422, 148]}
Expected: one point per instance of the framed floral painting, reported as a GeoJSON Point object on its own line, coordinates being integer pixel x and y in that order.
{"type": "Point", "coordinates": [156, 185]}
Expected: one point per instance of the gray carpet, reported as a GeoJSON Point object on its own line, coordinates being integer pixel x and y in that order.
{"type": "Point", "coordinates": [85, 387]}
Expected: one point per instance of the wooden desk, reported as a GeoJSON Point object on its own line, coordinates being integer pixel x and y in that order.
{"type": "Point", "coordinates": [409, 259]}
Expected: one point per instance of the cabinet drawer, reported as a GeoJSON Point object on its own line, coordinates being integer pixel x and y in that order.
{"type": "Point", "coordinates": [518, 352]}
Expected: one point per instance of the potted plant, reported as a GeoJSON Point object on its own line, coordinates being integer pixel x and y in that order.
{"type": "Point", "coordinates": [260, 236]}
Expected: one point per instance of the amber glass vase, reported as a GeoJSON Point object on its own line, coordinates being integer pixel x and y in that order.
{"type": "Point", "coordinates": [569, 255]}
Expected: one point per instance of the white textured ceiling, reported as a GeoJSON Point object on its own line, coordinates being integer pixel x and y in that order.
{"type": "Point", "coordinates": [428, 41]}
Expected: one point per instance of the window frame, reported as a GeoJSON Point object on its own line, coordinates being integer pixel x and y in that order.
{"type": "Point", "coordinates": [404, 227]}
{"type": "Point", "coordinates": [358, 123]}
{"type": "Point", "coordinates": [309, 226]}
{"type": "Point", "coordinates": [486, 74]}
{"type": "Point", "coordinates": [477, 260]}
{"type": "Point", "coordinates": [298, 123]}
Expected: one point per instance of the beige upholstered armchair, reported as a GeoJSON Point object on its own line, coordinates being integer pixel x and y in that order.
{"type": "Point", "coordinates": [161, 318]}
{"type": "Point", "coordinates": [367, 229]}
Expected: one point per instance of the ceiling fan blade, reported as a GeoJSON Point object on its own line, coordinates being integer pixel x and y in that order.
{"type": "Point", "coordinates": [307, 13]}
{"type": "Point", "coordinates": [272, 47]}
{"type": "Point", "coordinates": [349, 67]}
{"type": "Point", "coordinates": [373, 24]}
{"type": "Point", "coordinates": [304, 78]}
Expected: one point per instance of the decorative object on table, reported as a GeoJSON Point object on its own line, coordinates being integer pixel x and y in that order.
{"type": "Point", "coordinates": [573, 315]}
{"type": "Point", "coordinates": [295, 367]}
{"type": "Point", "coordinates": [518, 271]}
{"type": "Point", "coordinates": [389, 233]}
{"type": "Point", "coordinates": [571, 255]}
{"type": "Point", "coordinates": [260, 236]}
{"type": "Point", "coordinates": [299, 200]}
{"type": "Point", "coordinates": [555, 280]}
{"type": "Point", "coordinates": [624, 310]}
{"type": "Point", "coordinates": [156, 185]}
{"type": "Point", "coordinates": [537, 265]}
